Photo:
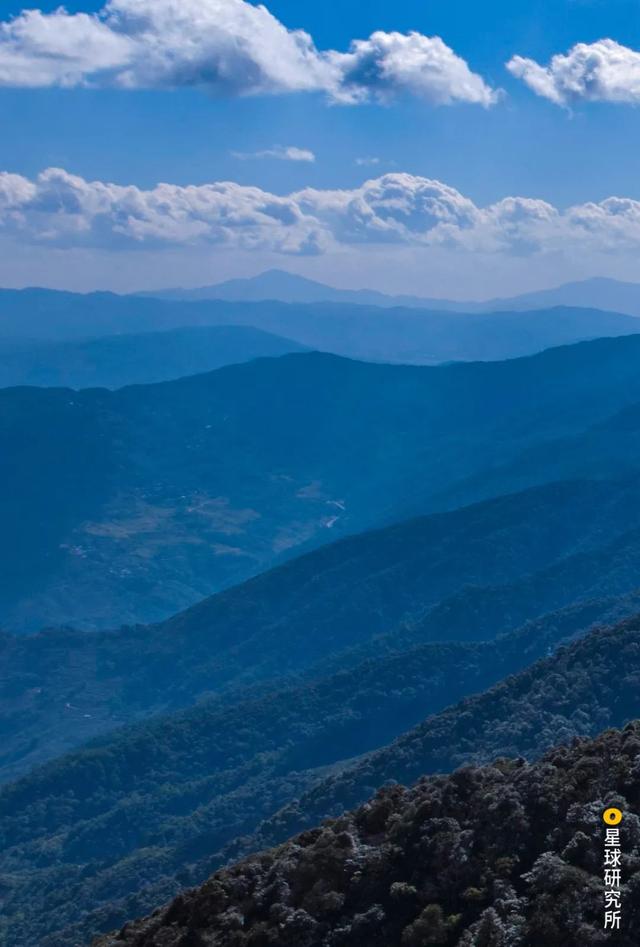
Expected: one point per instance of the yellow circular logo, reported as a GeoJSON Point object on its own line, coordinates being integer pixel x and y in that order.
{"type": "Point", "coordinates": [612, 817]}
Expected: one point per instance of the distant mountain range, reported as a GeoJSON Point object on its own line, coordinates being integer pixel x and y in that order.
{"type": "Point", "coordinates": [288, 287]}
{"type": "Point", "coordinates": [118, 360]}
{"type": "Point", "coordinates": [156, 496]}
{"type": "Point", "coordinates": [596, 293]}
{"type": "Point", "coordinates": [367, 332]}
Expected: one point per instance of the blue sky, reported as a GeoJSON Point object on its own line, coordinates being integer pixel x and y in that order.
{"type": "Point", "coordinates": [523, 145]}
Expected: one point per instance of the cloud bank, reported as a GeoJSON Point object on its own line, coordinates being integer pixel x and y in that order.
{"type": "Point", "coordinates": [61, 210]}
{"type": "Point", "coordinates": [228, 48]}
{"type": "Point", "coordinates": [595, 72]}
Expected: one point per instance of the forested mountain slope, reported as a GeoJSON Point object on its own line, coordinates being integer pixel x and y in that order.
{"type": "Point", "coordinates": [118, 827]}
{"type": "Point", "coordinates": [156, 496]}
{"type": "Point", "coordinates": [119, 360]}
{"type": "Point", "coordinates": [584, 687]}
{"type": "Point", "coordinates": [62, 687]}
{"type": "Point", "coordinates": [505, 854]}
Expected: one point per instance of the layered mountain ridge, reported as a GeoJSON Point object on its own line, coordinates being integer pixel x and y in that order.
{"type": "Point", "coordinates": [157, 496]}
{"type": "Point", "coordinates": [402, 334]}
{"type": "Point", "coordinates": [603, 293]}
{"type": "Point", "coordinates": [129, 820]}
{"type": "Point", "coordinates": [466, 575]}
{"type": "Point", "coordinates": [479, 600]}
{"type": "Point", "coordinates": [115, 361]}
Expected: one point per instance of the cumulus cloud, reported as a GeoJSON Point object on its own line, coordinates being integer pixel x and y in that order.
{"type": "Point", "coordinates": [279, 152]}
{"type": "Point", "coordinates": [227, 47]}
{"type": "Point", "coordinates": [425, 66]}
{"type": "Point", "coordinates": [61, 210]}
{"type": "Point", "coordinates": [394, 208]}
{"type": "Point", "coordinates": [603, 71]}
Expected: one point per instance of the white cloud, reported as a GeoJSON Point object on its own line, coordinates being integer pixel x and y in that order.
{"type": "Point", "coordinates": [226, 47]}
{"type": "Point", "coordinates": [389, 63]}
{"type": "Point", "coordinates": [367, 162]}
{"type": "Point", "coordinates": [394, 208]}
{"type": "Point", "coordinates": [61, 210]}
{"type": "Point", "coordinates": [38, 49]}
{"type": "Point", "coordinates": [279, 152]}
{"type": "Point", "coordinates": [603, 71]}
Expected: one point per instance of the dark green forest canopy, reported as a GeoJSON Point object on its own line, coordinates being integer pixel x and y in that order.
{"type": "Point", "coordinates": [584, 687]}
{"type": "Point", "coordinates": [506, 854]}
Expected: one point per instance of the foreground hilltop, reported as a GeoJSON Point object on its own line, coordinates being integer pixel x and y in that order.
{"type": "Point", "coordinates": [506, 854]}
